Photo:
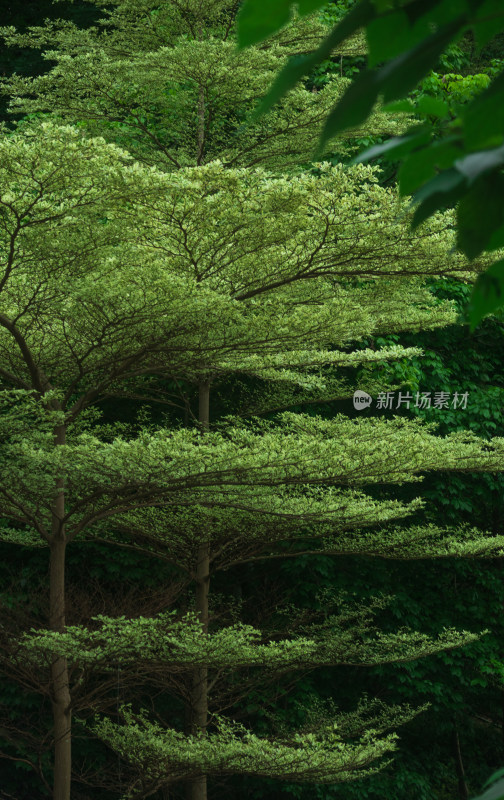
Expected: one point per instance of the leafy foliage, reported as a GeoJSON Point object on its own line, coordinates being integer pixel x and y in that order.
{"type": "Point", "coordinates": [465, 167]}
{"type": "Point", "coordinates": [137, 266]}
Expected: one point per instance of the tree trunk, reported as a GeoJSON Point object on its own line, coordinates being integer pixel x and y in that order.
{"type": "Point", "coordinates": [201, 125]}
{"type": "Point", "coordinates": [502, 724]}
{"type": "Point", "coordinates": [201, 113]}
{"type": "Point", "coordinates": [463, 792]}
{"type": "Point", "coordinates": [197, 788]}
{"type": "Point", "coordinates": [59, 667]}
{"type": "Point", "coordinates": [204, 404]}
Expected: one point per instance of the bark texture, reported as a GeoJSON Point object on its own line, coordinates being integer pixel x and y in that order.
{"type": "Point", "coordinates": [463, 791]}
{"type": "Point", "coordinates": [197, 788]}
{"type": "Point", "coordinates": [61, 700]}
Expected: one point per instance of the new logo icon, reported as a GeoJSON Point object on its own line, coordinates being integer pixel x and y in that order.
{"type": "Point", "coordinates": [361, 399]}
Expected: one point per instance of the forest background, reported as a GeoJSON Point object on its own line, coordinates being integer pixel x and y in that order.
{"type": "Point", "coordinates": [464, 723]}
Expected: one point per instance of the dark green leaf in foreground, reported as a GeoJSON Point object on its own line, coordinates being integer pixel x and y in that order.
{"type": "Point", "coordinates": [484, 117]}
{"type": "Point", "coordinates": [480, 213]}
{"type": "Point", "coordinates": [397, 147]}
{"type": "Point", "coordinates": [489, 21]}
{"type": "Point", "coordinates": [299, 66]}
{"type": "Point", "coordinates": [476, 164]}
{"type": "Point", "coordinates": [393, 81]}
{"type": "Point", "coordinates": [487, 297]}
{"type": "Point", "coordinates": [441, 192]}
{"type": "Point", "coordinates": [432, 106]}
{"type": "Point", "coordinates": [259, 19]}
{"type": "Point", "coordinates": [495, 792]}
{"type": "Point", "coordinates": [423, 164]}
{"type": "Point", "coordinates": [394, 32]}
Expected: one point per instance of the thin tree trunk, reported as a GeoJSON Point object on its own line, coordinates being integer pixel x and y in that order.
{"type": "Point", "coordinates": [201, 125]}
{"type": "Point", "coordinates": [201, 114]}
{"type": "Point", "coordinates": [204, 404]}
{"type": "Point", "coordinates": [463, 791]}
{"type": "Point", "coordinates": [197, 788]}
{"type": "Point", "coordinates": [62, 717]}
{"type": "Point", "coordinates": [502, 723]}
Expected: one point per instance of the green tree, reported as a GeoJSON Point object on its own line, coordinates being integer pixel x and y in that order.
{"type": "Point", "coordinates": [170, 86]}
{"type": "Point", "coordinates": [234, 497]}
{"type": "Point", "coordinates": [60, 247]}
{"type": "Point", "coordinates": [80, 223]}
{"type": "Point", "coordinates": [199, 271]}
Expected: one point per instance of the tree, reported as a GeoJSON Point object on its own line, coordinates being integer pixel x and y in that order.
{"type": "Point", "coordinates": [463, 167]}
{"type": "Point", "coordinates": [59, 339]}
{"type": "Point", "coordinates": [70, 347]}
{"type": "Point", "coordinates": [224, 288]}
{"type": "Point", "coordinates": [170, 86]}
{"type": "Point", "coordinates": [241, 467]}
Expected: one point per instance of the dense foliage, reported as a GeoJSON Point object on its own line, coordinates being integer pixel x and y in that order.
{"type": "Point", "coordinates": [406, 39]}
{"type": "Point", "coordinates": [246, 575]}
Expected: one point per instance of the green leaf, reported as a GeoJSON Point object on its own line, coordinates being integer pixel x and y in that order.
{"type": "Point", "coordinates": [400, 105]}
{"type": "Point", "coordinates": [443, 191]}
{"type": "Point", "coordinates": [386, 36]}
{"type": "Point", "coordinates": [494, 777]}
{"type": "Point", "coordinates": [299, 66]}
{"type": "Point", "coordinates": [483, 119]}
{"type": "Point", "coordinates": [401, 75]}
{"type": "Point", "coordinates": [475, 165]}
{"type": "Point", "coordinates": [397, 147]}
{"type": "Point", "coordinates": [401, 29]}
{"type": "Point", "coordinates": [257, 20]}
{"type": "Point", "coordinates": [487, 297]}
{"type": "Point", "coordinates": [432, 106]}
{"type": "Point", "coordinates": [309, 6]}
{"type": "Point", "coordinates": [480, 213]}
{"type": "Point", "coordinates": [497, 239]}
{"type": "Point", "coordinates": [496, 792]}
{"type": "Point", "coordinates": [394, 80]}
{"type": "Point", "coordinates": [489, 22]}
{"type": "Point", "coordinates": [421, 165]}
{"type": "Point", "coordinates": [353, 109]}
{"type": "Point", "coordinates": [382, 5]}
